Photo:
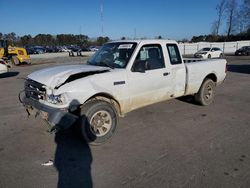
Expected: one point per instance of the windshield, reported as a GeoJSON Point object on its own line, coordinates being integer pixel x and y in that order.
{"type": "Point", "coordinates": [205, 49]}
{"type": "Point", "coordinates": [243, 48]}
{"type": "Point", "coordinates": [113, 55]}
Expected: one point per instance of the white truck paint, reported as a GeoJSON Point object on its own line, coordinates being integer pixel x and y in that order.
{"type": "Point", "coordinates": [3, 67]}
{"type": "Point", "coordinates": [151, 71]}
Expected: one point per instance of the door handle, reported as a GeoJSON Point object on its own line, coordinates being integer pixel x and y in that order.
{"type": "Point", "coordinates": [166, 73]}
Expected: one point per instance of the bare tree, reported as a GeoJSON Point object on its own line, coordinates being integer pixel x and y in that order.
{"type": "Point", "coordinates": [231, 15]}
{"type": "Point", "coordinates": [214, 28]}
{"type": "Point", "coordinates": [220, 8]}
{"type": "Point", "coordinates": [245, 14]}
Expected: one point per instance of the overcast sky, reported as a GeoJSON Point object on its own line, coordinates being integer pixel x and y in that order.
{"type": "Point", "coordinates": [174, 19]}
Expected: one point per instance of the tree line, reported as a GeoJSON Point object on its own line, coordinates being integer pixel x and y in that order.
{"type": "Point", "coordinates": [53, 40]}
{"type": "Point", "coordinates": [232, 22]}
{"type": "Point", "coordinates": [221, 38]}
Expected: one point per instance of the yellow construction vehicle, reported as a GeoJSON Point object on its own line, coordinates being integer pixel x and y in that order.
{"type": "Point", "coordinates": [13, 55]}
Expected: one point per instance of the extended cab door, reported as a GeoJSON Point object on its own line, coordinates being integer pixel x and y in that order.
{"type": "Point", "coordinates": [149, 79]}
{"type": "Point", "coordinates": [178, 70]}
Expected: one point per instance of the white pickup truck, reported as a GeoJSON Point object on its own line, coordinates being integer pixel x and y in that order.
{"type": "Point", "coordinates": [120, 77]}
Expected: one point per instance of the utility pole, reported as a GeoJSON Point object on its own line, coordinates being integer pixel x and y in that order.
{"type": "Point", "coordinates": [101, 9]}
{"type": "Point", "coordinates": [134, 33]}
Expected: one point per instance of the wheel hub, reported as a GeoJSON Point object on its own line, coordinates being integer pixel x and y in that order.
{"type": "Point", "coordinates": [101, 123]}
{"type": "Point", "coordinates": [208, 92]}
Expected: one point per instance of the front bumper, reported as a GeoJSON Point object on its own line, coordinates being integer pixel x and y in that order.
{"type": "Point", "coordinates": [56, 117]}
{"type": "Point", "coordinates": [202, 56]}
{"type": "Point", "coordinates": [25, 60]}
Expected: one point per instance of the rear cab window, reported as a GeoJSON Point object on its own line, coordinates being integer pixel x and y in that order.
{"type": "Point", "coordinates": [174, 54]}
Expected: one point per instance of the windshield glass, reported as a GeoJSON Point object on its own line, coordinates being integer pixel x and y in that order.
{"type": "Point", "coordinates": [243, 48]}
{"type": "Point", "coordinates": [205, 49]}
{"type": "Point", "coordinates": [113, 55]}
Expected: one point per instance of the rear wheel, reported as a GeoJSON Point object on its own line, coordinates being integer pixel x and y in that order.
{"type": "Point", "coordinates": [206, 93]}
{"type": "Point", "coordinates": [209, 56]}
{"type": "Point", "coordinates": [221, 56]}
{"type": "Point", "coordinates": [98, 121]}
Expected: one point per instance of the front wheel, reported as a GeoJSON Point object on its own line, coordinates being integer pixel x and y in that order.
{"type": "Point", "coordinates": [98, 121]}
{"type": "Point", "coordinates": [206, 93]}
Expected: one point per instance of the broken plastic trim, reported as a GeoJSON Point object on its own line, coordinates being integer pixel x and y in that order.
{"type": "Point", "coordinates": [78, 76]}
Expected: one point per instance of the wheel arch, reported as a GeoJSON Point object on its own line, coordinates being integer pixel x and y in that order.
{"type": "Point", "coordinates": [211, 76]}
{"type": "Point", "coordinates": [108, 98]}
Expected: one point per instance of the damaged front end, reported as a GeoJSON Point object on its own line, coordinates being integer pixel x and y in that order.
{"type": "Point", "coordinates": [41, 94]}
{"type": "Point", "coordinates": [31, 97]}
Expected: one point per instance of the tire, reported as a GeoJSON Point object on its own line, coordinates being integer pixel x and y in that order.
{"type": "Point", "coordinates": [98, 121]}
{"type": "Point", "coordinates": [15, 60]}
{"type": "Point", "coordinates": [206, 93]}
{"type": "Point", "coordinates": [209, 56]}
{"type": "Point", "coordinates": [221, 56]}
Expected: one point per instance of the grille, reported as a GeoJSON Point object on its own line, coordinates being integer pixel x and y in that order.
{"type": "Point", "coordinates": [34, 90]}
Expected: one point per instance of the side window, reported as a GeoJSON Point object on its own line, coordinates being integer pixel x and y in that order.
{"type": "Point", "coordinates": [151, 57]}
{"type": "Point", "coordinates": [174, 54]}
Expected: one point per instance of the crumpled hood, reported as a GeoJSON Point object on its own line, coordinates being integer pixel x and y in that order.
{"type": "Point", "coordinates": [56, 76]}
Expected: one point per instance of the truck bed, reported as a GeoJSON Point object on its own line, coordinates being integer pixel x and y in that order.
{"type": "Point", "coordinates": [195, 72]}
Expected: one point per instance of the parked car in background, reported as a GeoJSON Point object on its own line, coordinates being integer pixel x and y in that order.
{"type": "Point", "coordinates": [74, 48]}
{"type": "Point", "coordinates": [207, 53]}
{"type": "Point", "coordinates": [245, 50]}
{"type": "Point", "coordinates": [94, 48]}
{"type": "Point", "coordinates": [30, 50]}
{"type": "Point", "coordinates": [85, 49]}
{"type": "Point", "coordinates": [49, 49]}
{"type": "Point", "coordinates": [39, 50]}
{"type": "Point", "coordinates": [65, 49]}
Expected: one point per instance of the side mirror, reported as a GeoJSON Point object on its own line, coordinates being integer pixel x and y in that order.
{"type": "Point", "coordinates": [139, 66]}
